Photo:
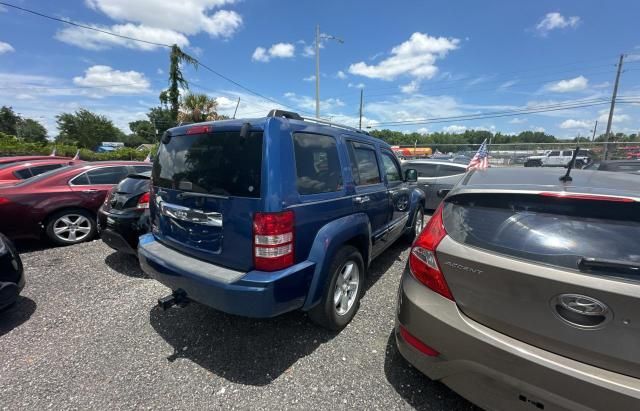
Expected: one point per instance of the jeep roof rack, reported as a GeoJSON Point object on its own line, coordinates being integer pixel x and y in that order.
{"type": "Point", "coordinates": [295, 116]}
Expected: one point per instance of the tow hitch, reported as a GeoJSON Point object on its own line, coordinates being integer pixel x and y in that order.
{"type": "Point", "coordinates": [178, 297]}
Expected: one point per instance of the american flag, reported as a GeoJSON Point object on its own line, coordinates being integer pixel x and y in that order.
{"type": "Point", "coordinates": [480, 161]}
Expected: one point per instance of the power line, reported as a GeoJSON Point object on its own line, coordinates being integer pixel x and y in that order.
{"type": "Point", "coordinates": [482, 116]}
{"type": "Point", "coordinates": [199, 63]}
{"type": "Point", "coordinates": [82, 25]}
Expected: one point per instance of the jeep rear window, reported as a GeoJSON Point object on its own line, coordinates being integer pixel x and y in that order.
{"type": "Point", "coordinates": [219, 163]}
{"type": "Point", "coordinates": [557, 232]}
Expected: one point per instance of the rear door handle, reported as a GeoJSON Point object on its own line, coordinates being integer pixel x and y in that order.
{"type": "Point", "coordinates": [90, 190]}
{"type": "Point", "coordinates": [361, 199]}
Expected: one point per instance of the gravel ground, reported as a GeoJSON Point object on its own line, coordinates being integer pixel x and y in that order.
{"type": "Point", "coordinates": [87, 334]}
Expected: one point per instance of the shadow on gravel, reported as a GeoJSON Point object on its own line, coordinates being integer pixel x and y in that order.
{"type": "Point", "coordinates": [381, 265]}
{"type": "Point", "coordinates": [16, 314]}
{"type": "Point", "coordinates": [416, 388]}
{"type": "Point", "coordinates": [241, 350]}
{"type": "Point", "coordinates": [245, 350]}
{"type": "Point", "coordinates": [125, 264]}
{"type": "Point", "coordinates": [28, 246]}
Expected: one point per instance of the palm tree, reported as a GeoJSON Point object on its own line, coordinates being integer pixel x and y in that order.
{"type": "Point", "coordinates": [198, 107]}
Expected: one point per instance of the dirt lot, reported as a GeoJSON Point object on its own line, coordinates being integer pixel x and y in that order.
{"type": "Point", "coordinates": [87, 334]}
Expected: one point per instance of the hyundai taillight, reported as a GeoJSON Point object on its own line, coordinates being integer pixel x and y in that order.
{"type": "Point", "coordinates": [423, 262]}
{"type": "Point", "coordinates": [143, 201]}
{"type": "Point", "coordinates": [273, 240]}
{"type": "Point", "coordinates": [4, 200]}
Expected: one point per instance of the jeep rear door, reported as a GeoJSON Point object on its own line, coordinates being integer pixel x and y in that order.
{"type": "Point", "coordinates": [207, 187]}
{"type": "Point", "coordinates": [398, 190]}
{"type": "Point", "coordinates": [557, 272]}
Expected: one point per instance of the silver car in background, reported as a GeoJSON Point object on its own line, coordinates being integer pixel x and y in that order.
{"type": "Point", "coordinates": [523, 292]}
{"type": "Point", "coordinates": [434, 175]}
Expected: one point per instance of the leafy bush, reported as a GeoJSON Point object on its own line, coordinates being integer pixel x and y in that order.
{"type": "Point", "coordinates": [11, 146]}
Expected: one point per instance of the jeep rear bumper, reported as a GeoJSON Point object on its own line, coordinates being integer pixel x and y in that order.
{"type": "Point", "coordinates": [254, 294]}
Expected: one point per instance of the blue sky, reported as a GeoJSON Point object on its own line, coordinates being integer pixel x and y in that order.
{"type": "Point", "coordinates": [414, 59]}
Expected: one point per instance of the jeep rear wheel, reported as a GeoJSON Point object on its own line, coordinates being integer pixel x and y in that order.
{"type": "Point", "coordinates": [344, 287]}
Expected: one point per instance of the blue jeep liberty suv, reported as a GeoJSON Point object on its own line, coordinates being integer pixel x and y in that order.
{"type": "Point", "coordinates": [258, 217]}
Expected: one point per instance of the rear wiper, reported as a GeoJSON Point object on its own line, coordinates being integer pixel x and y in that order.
{"type": "Point", "coordinates": [587, 264]}
{"type": "Point", "coordinates": [189, 194]}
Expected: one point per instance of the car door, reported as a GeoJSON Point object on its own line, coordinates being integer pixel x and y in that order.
{"type": "Point", "coordinates": [553, 159]}
{"type": "Point", "coordinates": [370, 190]}
{"type": "Point", "coordinates": [448, 176]}
{"type": "Point", "coordinates": [93, 185]}
{"type": "Point", "coordinates": [427, 175]}
{"type": "Point", "coordinates": [398, 191]}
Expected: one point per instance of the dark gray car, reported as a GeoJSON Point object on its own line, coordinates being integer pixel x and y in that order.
{"type": "Point", "coordinates": [523, 292]}
{"type": "Point", "coordinates": [434, 175]}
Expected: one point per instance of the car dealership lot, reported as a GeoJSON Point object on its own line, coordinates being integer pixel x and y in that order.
{"type": "Point", "coordinates": [86, 333]}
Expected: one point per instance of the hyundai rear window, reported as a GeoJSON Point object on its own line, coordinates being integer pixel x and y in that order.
{"type": "Point", "coordinates": [555, 232]}
{"type": "Point", "coordinates": [219, 163]}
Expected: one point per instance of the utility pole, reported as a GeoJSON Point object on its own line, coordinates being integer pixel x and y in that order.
{"type": "Point", "coordinates": [593, 138]}
{"type": "Point", "coordinates": [361, 97]}
{"type": "Point", "coordinates": [317, 71]}
{"type": "Point", "coordinates": [236, 110]}
{"type": "Point", "coordinates": [613, 105]}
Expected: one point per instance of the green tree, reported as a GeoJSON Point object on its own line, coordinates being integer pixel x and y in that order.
{"type": "Point", "coordinates": [176, 79]}
{"type": "Point", "coordinates": [31, 131]}
{"type": "Point", "coordinates": [143, 131]}
{"type": "Point", "coordinates": [86, 129]}
{"type": "Point", "coordinates": [161, 118]}
{"type": "Point", "coordinates": [8, 121]}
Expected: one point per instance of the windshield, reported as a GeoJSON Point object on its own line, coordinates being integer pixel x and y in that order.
{"type": "Point", "coordinates": [219, 163]}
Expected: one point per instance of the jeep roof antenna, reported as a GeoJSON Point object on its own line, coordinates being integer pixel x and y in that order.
{"type": "Point", "coordinates": [566, 178]}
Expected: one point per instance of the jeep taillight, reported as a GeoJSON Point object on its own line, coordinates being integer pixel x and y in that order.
{"type": "Point", "coordinates": [273, 240]}
{"type": "Point", "coordinates": [423, 262]}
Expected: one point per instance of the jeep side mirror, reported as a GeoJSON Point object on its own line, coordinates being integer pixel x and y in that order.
{"type": "Point", "coordinates": [411, 175]}
{"type": "Point", "coordinates": [443, 192]}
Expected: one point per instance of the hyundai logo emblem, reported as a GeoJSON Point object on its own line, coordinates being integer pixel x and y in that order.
{"type": "Point", "coordinates": [581, 311]}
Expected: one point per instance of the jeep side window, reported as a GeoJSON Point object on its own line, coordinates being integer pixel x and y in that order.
{"type": "Point", "coordinates": [364, 165]}
{"type": "Point", "coordinates": [317, 163]}
{"type": "Point", "coordinates": [391, 169]}
{"type": "Point", "coordinates": [567, 153]}
{"type": "Point", "coordinates": [554, 154]}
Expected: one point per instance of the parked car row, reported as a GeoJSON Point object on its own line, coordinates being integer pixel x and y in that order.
{"type": "Point", "coordinates": [61, 204]}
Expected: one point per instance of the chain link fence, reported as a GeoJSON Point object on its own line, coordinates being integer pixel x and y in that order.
{"type": "Point", "coordinates": [521, 154]}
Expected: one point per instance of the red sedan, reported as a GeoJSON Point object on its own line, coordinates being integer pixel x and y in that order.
{"type": "Point", "coordinates": [15, 159]}
{"type": "Point", "coordinates": [61, 203]}
{"type": "Point", "coordinates": [14, 172]}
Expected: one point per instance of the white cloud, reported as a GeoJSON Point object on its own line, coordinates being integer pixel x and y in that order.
{"type": "Point", "coordinates": [454, 129]}
{"type": "Point", "coordinates": [309, 103]}
{"type": "Point", "coordinates": [310, 78]}
{"type": "Point", "coordinates": [415, 57]}
{"type": "Point", "coordinates": [517, 120]}
{"type": "Point", "coordinates": [573, 124]}
{"type": "Point", "coordinates": [411, 87]}
{"type": "Point", "coordinates": [566, 86]}
{"type": "Point", "coordinates": [555, 20]}
{"type": "Point", "coordinates": [188, 17]}
{"type": "Point", "coordinates": [355, 85]}
{"type": "Point", "coordinates": [507, 84]}
{"type": "Point", "coordinates": [340, 74]}
{"type": "Point", "coordinates": [278, 50]}
{"type": "Point", "coordinates": [539, 129]}
{"type": "Point", "coordinates": [105, 78]}
{"type": "Point", "coordinates": [93, 40]}
{"type": "Point", "coordinates": [5, 47]}
{"type": "Point", "coordinates": [160, 71]}
{"type": "Point", "coordinates": [423, 130]}
{"type": "Point", "coordinates": [617, 118]}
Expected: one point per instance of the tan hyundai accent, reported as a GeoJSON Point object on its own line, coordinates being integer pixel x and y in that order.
{"type": "Point", "coordinates": [523, 291]}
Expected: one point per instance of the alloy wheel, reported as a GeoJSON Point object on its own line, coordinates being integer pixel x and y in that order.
{"type": "Point", "coordinates": [72, 228]}
{"type": "Point", "coordinates": [347, 287]}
